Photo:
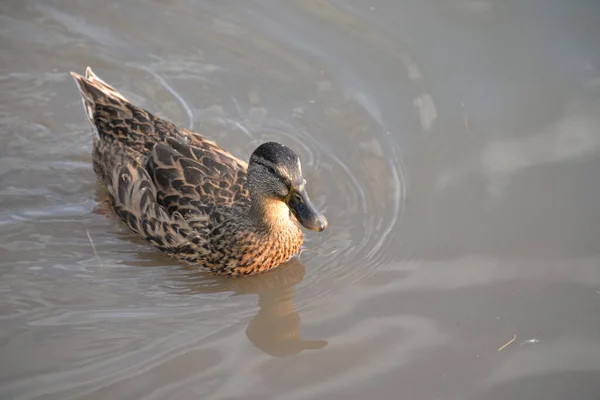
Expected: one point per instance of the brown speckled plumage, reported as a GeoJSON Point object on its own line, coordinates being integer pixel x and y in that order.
{"type": "Point", "coordinates": [184, 193]}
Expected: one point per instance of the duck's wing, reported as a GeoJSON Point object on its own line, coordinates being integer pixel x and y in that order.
{"type": "Point", "coordinates": [193, 181]}
{"type": "Point", "coordinates": [133, 195]}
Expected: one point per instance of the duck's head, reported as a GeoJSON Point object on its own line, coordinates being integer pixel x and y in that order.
{"type": "Point", "coordinates": [275, 177]}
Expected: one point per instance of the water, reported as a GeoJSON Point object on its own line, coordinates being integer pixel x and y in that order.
{"type": "Point", "coordinates": [453, 146]}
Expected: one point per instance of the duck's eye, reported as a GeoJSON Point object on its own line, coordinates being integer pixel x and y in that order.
{"type": "Point", "coordinates": [271, 170]}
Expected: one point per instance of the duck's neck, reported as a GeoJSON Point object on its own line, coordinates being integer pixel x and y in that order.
{"type": "Point", "coordinates": [273, 217]}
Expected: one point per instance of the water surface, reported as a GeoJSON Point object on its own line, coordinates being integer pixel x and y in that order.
{"type": "Point", "coordinates": [453, 146]}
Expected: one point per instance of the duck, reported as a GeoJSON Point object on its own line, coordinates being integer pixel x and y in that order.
{"type": "Point", "coordinates": [189, 197]}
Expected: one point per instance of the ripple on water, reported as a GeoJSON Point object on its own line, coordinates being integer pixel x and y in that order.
{"type": "Point", "coordinates": [357, 180]}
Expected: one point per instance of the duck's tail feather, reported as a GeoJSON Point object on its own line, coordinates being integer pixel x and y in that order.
{"type": "Point", "coordinates": [93, 88]}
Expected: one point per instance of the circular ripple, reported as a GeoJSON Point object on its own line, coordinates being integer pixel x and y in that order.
{"type": "Point", "coordinates": [354, 172]}
{"type": "Point", "coordinates": [247, 87]}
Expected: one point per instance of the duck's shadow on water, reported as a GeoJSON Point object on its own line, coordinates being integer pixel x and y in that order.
{"type": "Point", "coordinates": [275, 329]}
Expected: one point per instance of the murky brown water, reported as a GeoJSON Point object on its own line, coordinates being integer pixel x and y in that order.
{"type": "Point", "coordinates": [453, 145]}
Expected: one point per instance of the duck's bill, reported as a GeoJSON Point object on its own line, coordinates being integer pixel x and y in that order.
{"type": "Point", "coordinates": [305, 211]}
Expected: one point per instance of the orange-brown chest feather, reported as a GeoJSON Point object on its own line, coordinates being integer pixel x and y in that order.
{"type": "Point", "coordinates": [267, 245]}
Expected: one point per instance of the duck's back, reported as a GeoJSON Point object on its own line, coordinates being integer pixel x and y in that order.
{"type": "Point", "coordinates": [144, 159]}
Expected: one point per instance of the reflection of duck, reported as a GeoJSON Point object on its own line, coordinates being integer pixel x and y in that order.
{"type": "Point", "coordinates": [276, 328]}
{"type": "Point", "coordinates": [189, 197]}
